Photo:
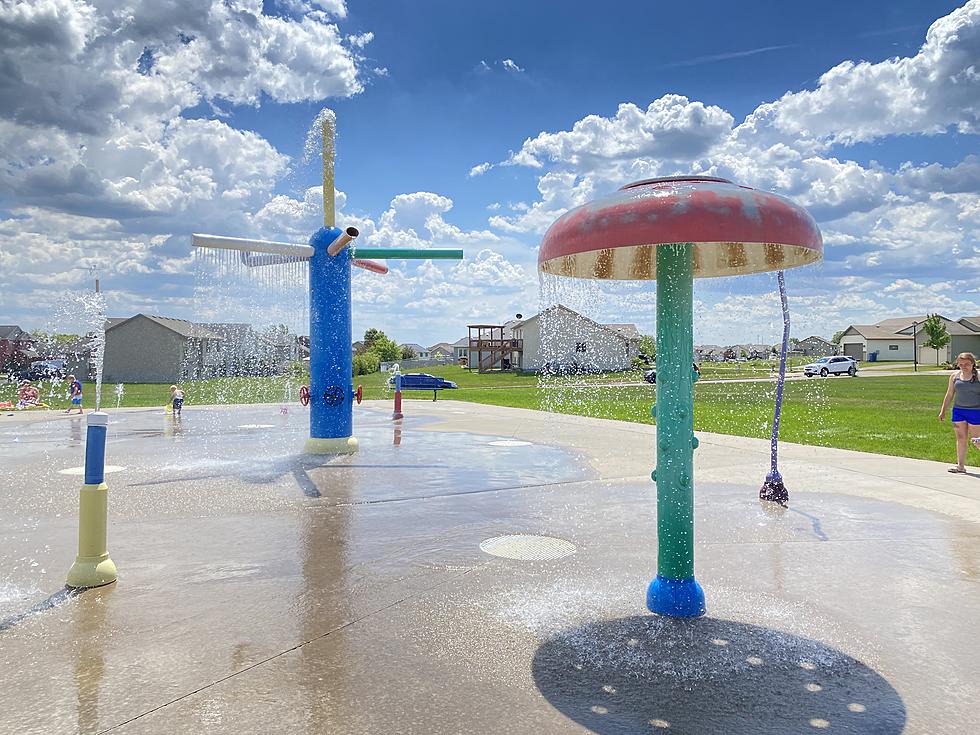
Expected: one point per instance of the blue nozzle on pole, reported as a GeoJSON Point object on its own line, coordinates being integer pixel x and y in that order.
{"type": "Point", "coordinates": [95, 437]}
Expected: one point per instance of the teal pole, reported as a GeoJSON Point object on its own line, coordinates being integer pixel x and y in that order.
{"type": "Point", "coordinates": [408, 253]}
{"type": "Point", "coordinates": [674, 591]}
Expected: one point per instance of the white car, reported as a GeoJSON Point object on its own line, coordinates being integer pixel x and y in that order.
{"type": "Point", "coordinates": [831, 366]}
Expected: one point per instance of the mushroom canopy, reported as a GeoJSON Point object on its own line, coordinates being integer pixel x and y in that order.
{"type": "Point", "coordinates": [734, 229]}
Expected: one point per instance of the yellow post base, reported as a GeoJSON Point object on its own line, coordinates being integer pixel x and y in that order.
{"type": "Point", "coordinates": [341, 445]}
{"type": "Point", "coordinates": [92, 571]}
{"type": "Point", "coordinates": [92, 567]}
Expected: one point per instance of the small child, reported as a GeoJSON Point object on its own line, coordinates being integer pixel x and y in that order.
{"type": "Point", "coordinates": [75, 392]}
{"type": "Point", "coordinates": [177, 398]}
{"type": "Point", "coordinates": [27, 395]}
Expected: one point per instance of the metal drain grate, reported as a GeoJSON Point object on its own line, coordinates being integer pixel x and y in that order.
{"type": "Point", "coordinates": [528, 548]}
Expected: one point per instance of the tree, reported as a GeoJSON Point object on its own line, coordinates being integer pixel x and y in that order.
{"type": "Point", "coordinates": [648, 346]}
{"type": "Point", "coordinates": [386, 349]}
{"type": "Point", "coordinates": [836, 338]}
{"type": "Point", "coordinates": [370, 336]}
{"type": "Point", "coordinates": [408, 353]}
{"type": "Point", "coordinates": [935, 328]}
{"type": "Point", "coordinates": [377, 342]}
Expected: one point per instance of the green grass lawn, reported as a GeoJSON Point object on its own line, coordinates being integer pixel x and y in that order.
{"type": "Point", "coordinates": [893, 415]}
{"type": "Point", "coordinates": [216, 391]}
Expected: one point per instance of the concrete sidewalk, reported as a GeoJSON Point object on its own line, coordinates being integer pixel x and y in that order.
{"type": "Point", "coordinates": [264, 591]}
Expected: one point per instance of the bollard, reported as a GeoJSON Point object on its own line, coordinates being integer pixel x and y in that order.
{"type": "Point", "coordinates": [398, 398]}
{"type": "Point", "coordinates": [93, 567]}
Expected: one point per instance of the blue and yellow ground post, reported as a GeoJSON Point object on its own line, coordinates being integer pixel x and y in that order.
{"type": "Point", "coordinates": [93, 567]}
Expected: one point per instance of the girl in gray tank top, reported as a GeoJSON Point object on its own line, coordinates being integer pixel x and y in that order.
{"type": "Point", "coordinates": [964, 393]}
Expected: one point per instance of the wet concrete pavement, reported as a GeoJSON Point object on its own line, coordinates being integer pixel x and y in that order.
{"type": "Point", "coordinates": [263, 591]}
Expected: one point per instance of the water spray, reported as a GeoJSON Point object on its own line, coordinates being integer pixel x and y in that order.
{"type": "Point", "coordinates": [331, 254]}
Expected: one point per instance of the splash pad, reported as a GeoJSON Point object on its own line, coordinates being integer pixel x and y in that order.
{"type": "Point", "coordinates": [331, 254]}
{"type": "Point", "coordinates": [673, 230]}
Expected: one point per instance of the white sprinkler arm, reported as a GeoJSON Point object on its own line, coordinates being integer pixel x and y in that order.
{"type": "Point", "coordinates": [252, 246]}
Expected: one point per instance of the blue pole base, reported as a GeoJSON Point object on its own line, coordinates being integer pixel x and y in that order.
{"type": "Point", "coordinates": [675, 598]}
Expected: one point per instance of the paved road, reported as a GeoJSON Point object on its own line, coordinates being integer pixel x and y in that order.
{"type": "Point", "coordinates": [870, 373]}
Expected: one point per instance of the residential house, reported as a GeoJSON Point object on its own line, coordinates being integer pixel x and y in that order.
{"type": "Point", "coordinates": [631, 333]}
{"type": "Point", "coordinates": [442, 350]}
{"type": "Point", "coordinates": [421, 353]}
{"type": "Point", "coordinates": [16, 345]}
{"type": "Point", "coordinates": [902, 338]}
{"type": "Point", "coordinates": [561, 339]}
{"type": "Point", "coordinates": [816, 347]}
{"type": "Point", "coordinates": [973, 322]}
{"type": "Point", "coordinates": [861, 341]}
{"type": "Point", "coordinates": [238, 353]}
{"type": "Point", "coordinates": [709, 353]}
{"type": "Point", "coordinates": [245, 351]}
{"type": "Point", "coordinates": [154, 349]}
{"type": "Point", "coordinates": [461, 350]}
{"type": "Point", "coordinates": [279, 347]}
{"type": "Point", "coordinates": [493, 347]}
{"type": "Point", "coordinates": [750, 351]}
{"type": "Point", "coordinates": [968, 341]}
{"type": "Point", "coordinates": [78, 358]}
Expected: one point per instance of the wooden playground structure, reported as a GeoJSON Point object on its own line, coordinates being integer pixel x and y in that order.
{"type": "Point", "coordinates": [491, 350]}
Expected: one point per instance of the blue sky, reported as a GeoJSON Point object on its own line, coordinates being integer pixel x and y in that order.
{"type": "Point", "coordinates": [847, 108]}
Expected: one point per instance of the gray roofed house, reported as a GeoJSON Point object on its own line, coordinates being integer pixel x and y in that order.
{"type": "Point", "coordinates": [561, 338]}
{"type": "Point", "coordinates": [12, 331]}
{"type": "Point", "coordinates": [892, 339]}
{"type": "Point", "coordinates": [420, 352]}
{"type": "Point", "coordinates": [15, 344]}
{"type": "Point", "coordinates": [873, 331]}
{"type": "Point", "coordinates": [815, 346]}
{"type": "Point", "coordinates": [710, 353]}
{"type": "Point", "coordinates": [627, 330]}
{"type": "Point", "coordinates": [973, 322]}
{"type": "Point", "coordinates": [461, 349]}
{"type": "Point", "coordinates": [154, 349]}
{"type": "Point", "coordinates": [752, 351]}
{"type": "Point", "coordinates": [441, 349]}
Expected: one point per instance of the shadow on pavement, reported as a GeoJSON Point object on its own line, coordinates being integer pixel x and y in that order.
{"type": "Point", "coordinates": [48, 603]}
{"type": "Point", "coordinates": [652, 674]}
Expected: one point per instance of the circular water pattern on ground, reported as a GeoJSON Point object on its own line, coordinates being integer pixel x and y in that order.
{"type": "Point", "coordinates": [527, 547]}
{"type": "Point", "coordinates": [653, 674]}
{"type": "Point", "coordinates": [109, 468]}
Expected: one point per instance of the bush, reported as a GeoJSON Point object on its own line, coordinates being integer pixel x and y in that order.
{"type": "Point", "coordinates": [297, 369]}
{"type": "Point", "coordinates": [367, 363]}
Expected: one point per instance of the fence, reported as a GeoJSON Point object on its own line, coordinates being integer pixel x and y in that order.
{"type": "Point", "coordinates": [405, 365]}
